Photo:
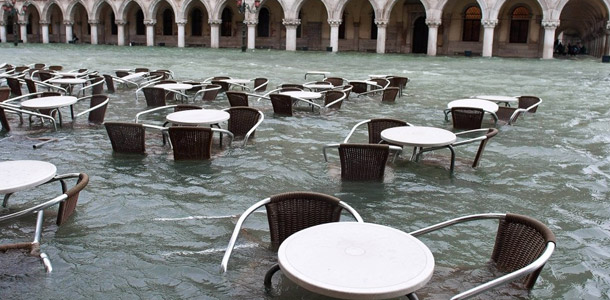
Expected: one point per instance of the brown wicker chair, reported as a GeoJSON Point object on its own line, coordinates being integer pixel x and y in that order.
{"type": "Point", "coordinates": [358, 87]}
{"type": "Point", "coordinates": [508, 115]}
{"type": "Point", "coordinates": [335, 81]}
{"type": "Point", "coordinates": [154, 96]}
{"type": "Point", "coordinates": [208, 92]}
{"type": "Point", "coordinates": [292, 85]}
{"type": "Point", "coordinates": [126, 137]}
{"type": "Point", "coordinates": [15, 85]}
{"type": "Point", "coordinates": [244, 121]}
{"type": "Point", "coordinates": [362, 161]}
{"type": "Point", "coordinates": [138, 70]}
{"type": "Point", "coordinates": [389, 94]}
{"type": "Point", "coordinates": [4, 94]}
{"type": "Point", "coordinates": [375, 127]}
{"type": "Point", "coordinates": [334, 99]}
{"type": "Point", "coordinates": [193, 143]}
{"type": "Point", "coordinates": [67, 205]}
{"type": "Point", "coordinates": [467, 118]}
{"type": "Point", "coordinates": [121, 74]}
{"type": "Point", "coordinates": [109, 83]}
{"type": "Point", "coordinates": [96, 86]}
{"type": "Point", "coordinates": [260, 84]}
{"type": "Point", "coordinates": [522, 247]}
{"type": "Point", "coordinates": [288, 213]}
{"type": "Point", "coordinates": [96, 110]}
{"type": "Point", "coordinates": [56, 68]}
{"type": "Point", "coordinates": [237, 98]}
{"type": "Point", "coordinates": [382, 82]}
{"type": "Point", "coordinates": [398, 82]}
{"type": "Point", "coordinates": [224, 86]}
{"type": "Point", "coordinates": [282, 104]}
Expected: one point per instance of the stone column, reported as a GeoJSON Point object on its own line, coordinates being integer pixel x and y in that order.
{"type": "Point", "coordinates": [2, 31]}
{"type": "Point", "coordinates": [214, 32]}
{"type": "Point", "coordinates": [68, 25]}
{"type": "Point", "coordinates": [23, 30]}
{"type": "Point", "coordinates": [334, 34]}
{"type": "Point", "coordinates": [120, 39]}
{"type": "Point", "coordinates": [433, 25]}
{"type": "Point", "coordinates": [488, 36]}
{"type": "Point", "coordinates": [181, 41]}
{"type": "Point", "coordinates": [45, 31]}
{"type": "Point", "coordinates": [251, 32]}
{"type": "Point", "coordinates": [150, 32]}
{"type": "Point", "coordinates": [291, 33]}
{"type": "Point", "coordinates": [607, 44]}
{"type": "Point", "coordinates": [381, 29]}
{"type": "Point", "coordinates": [93, 24]}
{"type": "Point", "coordinates": [549, 37]}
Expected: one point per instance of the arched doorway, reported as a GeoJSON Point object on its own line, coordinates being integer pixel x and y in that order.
{"type": "Point", "coordinates": [56, 27]}
{"type": "Point", "coordinates": [401, 27]}
{"type": "Point", "coordinates": [81, 29]}
{"type": "Point", "coordinates": [582, 25]}
{"type": "Point", "coordinates": [135, 30]}
{"type": "Point", "coordinates": [314, 26]}
{"type": "Point", "coordinates": [270, 32]}
{"type": "Point", "coordinates": [420, 36]}
{"type": "Point", "coordinates": [33, 26]}
{"type": "Point", "coordinates": [359, 29]}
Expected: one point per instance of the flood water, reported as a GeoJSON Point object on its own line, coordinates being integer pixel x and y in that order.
{"type": "Point", "coordinates": [152, 228]}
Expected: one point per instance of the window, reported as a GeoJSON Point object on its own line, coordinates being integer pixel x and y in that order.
{"type": "Point", "coordinates": [373, 27]}
{"type": "Point", "coordinates": [196, 22]}
{"type": "Point", "coordinates": [227, 20]}
{"type": "Point", "coordinates": [519, 25]}
{"type": "Point", "coordinates": [140, 28]}
{"type": "Point", "coordinates": [299, 28]}
{"type": "Point", "coordinates": [342, 28]}
{"type": "Point", "coordinates": [168, 23]}
{"type": "Point", "coordinates": [472, 24]}
{"type": "Point", "coordinates": [113, 27]}
{"type": "Point", "coordinates": [9, 25]}
{"type": "Point", "coordinates": [29, 26]}
{"type": "Point", "coordinates": [263, 23]}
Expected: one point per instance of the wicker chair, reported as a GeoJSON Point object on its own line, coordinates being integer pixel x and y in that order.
{"type": "Point", "coordinates": [109, 83]}
{"type": "Point", "coordinates": [389, 94]}
{"type": "Point", "coordinates": [375, 127]}
{"type": "Point", "coordinates": [126, 137]}
{"type": "Point", "coordinates": [193, 143]}
{"type": "Point", "coordinates": [154, 96]}
{"type": "Point", "coordinates": [121, 74]}
{"type": "Point", "coordinates": [335, 81]}
{"type": "Point", "coordinates": [288, 213]}
{"type": "Point", "coordinates": [208, 92]}
{"type": "Point", "coordinates": [347, 89]}
{"type": "Point", "coordinates": [96, 110]}
{"type": "Point", "coordinates": [467, 118]}
{"type": "Point", "coordinates": [522, 246]}
{"type": "Point", "coordinates": [260, 84]}
{"type": "Point", "coordinates": [508, 115]}
{"type": "Point", "coordinates": [398, 82]}
{"type": "Point", "coordinates": [96, 86]}
{"type": "Point", "coordinates": [224, 86]}
{"type": "Point", "coordinates": [67, 205]}
{"type": "Point", "coordinates": [362, 161]}
{"type": "Point", "coordinates": [300, 87]}
{"type": "Point", "coordinates": [4, 94]}
{"type": "Point", "coordinates": [138, 70]}
{"type": "Point", "coordinates": [244, 121]}
{"type": "Point", "coordinates": [282, 104]}
{"type": "Point", "coordinates": [382, 82]}
{"type": "Point", "coordinates": [15, 85]}
{"type": "Point", "coordinates": [237, 98]}
{"type": "Point", "coordinates": [56, 68]}
{"type": "Point", "coordinates": [45, 75]}
{"type": "Point", "coordinates": [334, 99]}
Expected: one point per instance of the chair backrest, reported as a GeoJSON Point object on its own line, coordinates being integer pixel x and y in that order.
{"type": "Point", "coordinates": [289, 89]}
{"type": "Point", "coordinates": [491, 132]}
{"type": "Point", "coordinates": [282, 104]}
{"type": "Point", "coordinates": [331, 96]}
{"type": "Point", "coordinates": [467, 118]}
{"type": "Point", "coordinates": [68, 206]}
{"type": "Point", "coordinates": [211, 94]}
{"type": "Point", "coordinates": [363, 161]}
{"type": "Point", "coordinates": [358, 87]}
{"type": "Point", "coordinates": [288, 213]}
{"type": "Point", "coordinates": [109, 83]}
{"type": "Point", "coordinates": [381, 81]}
{"type": "Point", "coordinates": [166, 81]}
{"type": "Point", "coordinates": [154, 96]}
{"type": "Point", "coordinates": [224, 86]}
{"type": "Point", "coordinates": [398, 81]}
{"type": "Point", "coordinates": [31, 85]}
{"type": "Point", "coordinates": [520, 240]}
{"type": "Point", "coordinates": [56, 68]}
{"type": "Point", "coordinates": [196, 86]}
{"type": "Point", "coordinates": [15, 86]}
{"type": "Point", "coordinates": [121, 73]}
{"type": "Point", "coordinates": [260, 84]}
{"type": "Point", "coordinates": [191, 142]}
{"type": "Point", "coordinates": [389, 94]}
{"type": "Point", "coordinates": [98, 88]}
{"type": "Point", "coordinates": [138, 70]}
{"type": "Point", "coordinates": [5, 92]}
{"type": "Point", "coordinates": [181, 107]}
{"type": "Point", "coordinates": [527, 101]}
{"type": "Point", "coordinates": [376, 126]}
{"type": "Point", "coordinates": [44, 75]}
{"type": "Point", "coordinates": [97, 116]}
{"type": "Point", "coordinates": [237, 98]}
{"type": "Point", "coordinates": [347, 89]}
{"type": "Point", "coordinates": [163, 75]}
{"type": "Point", "coordinates": [292, 85]}
{"type": "Point", "coordinates": [126, 137]}
{"type": "Point", "coordinates": [39, 66]}
{"type": "Point", "coordinates": [242, 120]}
{"type": "Point", "coordinates": [336, 81]}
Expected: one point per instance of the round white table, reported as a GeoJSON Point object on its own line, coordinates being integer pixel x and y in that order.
{"type": "Point", "coordinates": [236, 81]}
{"type": "Point", "coordinates": [499, 99]}
{"type": "Point", "coordinates": [303, 94]}
{"type": "Point", "coordinates": [71, 81]}
{"type": "Point", "coordinates": [17, 175]}
{"type": "Point", "coordinates": [198, 117]}
{"type": "Point", "coordinates": [485, 105]}
{"type": "Point", "coordinates": [175, 86]}
{"type": "Point", "coordinates": [318, 86]}
{"type": "Point", "coordinates": [134, 76]}
{"type": "Point", "coordinates": [353, 260]}
{"type": "Point", "coordinates": [323, 73]}
{"type": "Point", "coordinates": [49, 102]}
{"type": "Point", "coordinates": [70, 74]}
{"type": "Point", "coordinates": [378, 76]}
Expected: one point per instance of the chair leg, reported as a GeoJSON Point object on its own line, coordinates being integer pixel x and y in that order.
{"type": "Point", "coordinates": [412, 296]}
{"type": "Point", "coordinates": [269, 275]}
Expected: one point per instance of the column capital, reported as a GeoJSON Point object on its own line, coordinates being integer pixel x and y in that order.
{"type": "Point", "coordinates": [381, 22]}
{"type": "Point", "coordinates": [489, 23]}
{"type": "Point", "coordinates": [68, 23]}
{"type": "Point", "coordinates": [608, 25]}
{"type": "Point", "coordinates": [433, 22]}
{"type": "Point", "coordinates": [150, 22]}
{"type": "Point", "coordinates": [550, 24]}
{"type": "Point", "coordinates": [120, 22]}
{"type": "Point", "coordinates": [22, 23]}
{"type": "Point", "coordinates": [291, 22]}
{"type": "Point", "coordinates": [251, 22]}
{"type": "Point", "coordinates": [2, 23]}
{"type": "Point", "coordinates": [334, 23]}
{"type": "Point", "coordinates": [44, 23]}
{"type": "Point", "coordinates": [215, 21]}
{"type": "Point", "coordinates": [181, 23]}
{"type": "Point", "coordinates": [94, 22]}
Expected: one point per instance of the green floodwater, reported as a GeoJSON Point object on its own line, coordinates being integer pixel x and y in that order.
{"type": "Point", "coordinates": [152, 228]}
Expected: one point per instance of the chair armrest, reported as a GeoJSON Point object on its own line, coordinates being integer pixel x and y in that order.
{"type": "Point", "coordinates": [260, 120]}
{"type": "Point", "coordinates": [230, 134]}
{"type": "Point", "coordinates": [91, 108]}
{"type": "Point", "coordinates": [336, 101]}
{"type": "Point", "coordinates": [152, 110]}
{"type": "Point", "coordinates": [326, 147]}
{"type": "Point", "coordinates": [354, 129]}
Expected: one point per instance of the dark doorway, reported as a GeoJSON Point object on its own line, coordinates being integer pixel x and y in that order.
{"type": "Point", "coordinates": [420, 36]}
{"type": "Point", "coordinates": [263, 23]}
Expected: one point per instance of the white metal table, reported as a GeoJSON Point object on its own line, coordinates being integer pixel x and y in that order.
{"type": "Point", "coordinates": [303, 94]}
{"type": "Point", "coordinates": [196, 117]}
{"type": "Point", "coordinates": [354, 260]}
{"type": "Point", "coordinates": [134, 76]}
{"type": "Point", "coordinates": [237, 82]}
{"type": "Point", "coordinates": [71, 82]}
{"type": "Point", "coordinates": [323, 73]}
{"type": "Point", "coordinates": [318, 86]}
{"type": "Point", "coordinates": [51, 102]}
{"type": "Point", "coordinates": [499, 99]}
{"type": "Point", "coordinates": [486, 105]}
{"type": "Point", "coordinates": [18, 175]}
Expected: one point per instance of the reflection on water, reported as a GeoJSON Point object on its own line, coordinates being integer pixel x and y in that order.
{"type": "Point", "coordinates": [149, 227]}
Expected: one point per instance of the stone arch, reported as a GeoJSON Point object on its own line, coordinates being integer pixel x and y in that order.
{"type": "Point", "coordinates": [69, 16]}
{"type": "Point", "coordinates": [154, 6]}
{"type": "Point", "coordinates": [495, 10]}
{"type": "Point", "coordinates": [281, 3]}
{"type": "Point", "coordinates": [299, 5]}
{"type": "Point", "coordinates": [562, 3]}
{"type": "Point", "coordinates": [27, 4]}
{"type": "Point", "coordinates": [45, 11]}
{"type": "Point", "coordinates": [94, 14]}
{"type": "Point", "coordinates": [482, 5]}
{"type": "Point", "coordinates": [120, 13]}
{"type": "Point", "coordinates": [185, 8]}
{"type": "Point", "coordinates": [387, 9]}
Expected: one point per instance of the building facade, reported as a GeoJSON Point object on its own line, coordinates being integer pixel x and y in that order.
{"type": "Point", "coordinates": [507, 28]}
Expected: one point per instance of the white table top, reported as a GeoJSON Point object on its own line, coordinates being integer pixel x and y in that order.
{"type": "Point", "coordinates": [49, 102]}
{"type": "Point", "coordinates": [16, 175]}
{"type": "Point", "coordinates": [496, 98]}
{"type": "Point", "coordinates": [134, 76]}
{"type": "Point", "coordinates": [175, 86]}
{"type": "Point", "coordinates": [364, 81]}
{"type": "Point", "coordinates": [378, 76]}
{"type": "Point", "coordinates": [303, 94]}
{"type": "Point", "coordinates": [318, 86]}
{"type": "Point", "coordinates": [485, 105]}
{"type": "Point", "coordinates": [236, 81]}
{"type": "Point", "coordinates": [67, 74]}
{"type": "Point", "coordinates": [418, 136]}
{"type": "Point", "coordinates": [353, 260]}
{"type": "Point", "coordinates": [68, 80]}
{"type": "Point", "coordinates": [198, 117]}
{"type": "Point", "coordinates": [318, 72]}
